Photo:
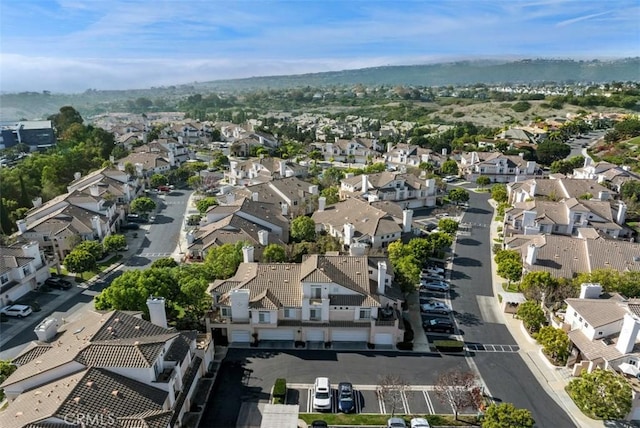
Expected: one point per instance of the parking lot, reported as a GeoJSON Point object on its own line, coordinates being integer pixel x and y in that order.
{"type": "Point", "coordinates": [417, 400]}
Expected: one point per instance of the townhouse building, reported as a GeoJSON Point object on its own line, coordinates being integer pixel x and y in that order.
{"type": "Point", "coordinates": [23, 268]}
{"type": "Point", "coordinates": [326, 298]}
{"type": "Point", "coordinates": [405, 189]}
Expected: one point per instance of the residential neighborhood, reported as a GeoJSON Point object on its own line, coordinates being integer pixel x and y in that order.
{"type": "Point", "coordinates": [219, 250]}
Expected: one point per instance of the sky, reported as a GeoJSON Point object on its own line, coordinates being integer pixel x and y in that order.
{"type": "Point", "coordinates": [75, 45]}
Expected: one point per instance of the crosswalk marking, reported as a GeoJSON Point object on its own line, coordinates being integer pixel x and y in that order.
{"type": "Point", "coordinates": [491, 348]}
{"type": "Point", "coordinates": [160, 255]}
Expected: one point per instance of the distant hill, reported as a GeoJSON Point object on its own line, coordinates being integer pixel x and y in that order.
{"type": "Point", "coordinates": [456, 73]}
{"type": "Point", "coordinates": [33, 105]}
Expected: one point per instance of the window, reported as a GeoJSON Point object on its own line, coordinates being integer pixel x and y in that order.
{"type": "Point", "coordinates": [225, 312]}
{"type": "Point", "coordinates": [26, 270]}
{"type": "Point", "coordinates": [264, 317]}
{"type": "Point", "coordinates": [316, 292]}
{"type": "Point", "coordinates": [365, 313]}
{"type": "Point", "coordinates": [289, 312]}
{"type": "Point", "coordinates": [314, 314]}
{"type": "Point", "coordinates": [4, 278]}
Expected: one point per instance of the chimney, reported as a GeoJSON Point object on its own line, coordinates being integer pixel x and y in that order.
{"type": "Point", "coordinates": [431, 186]}
{"type": "Point", "coordinates": [587, 162]}
{"type": "Point", "coordinates": [231, 198]}
{"type": "Point", "coordinates": [22, 226]}
{"type": "Point", "coordinates": [628, 334]}
{"type": "Point", "coordinates": [621, 217]}
{"type": "Point", "coordinates": [357, 249]}
{"type": "Point", "coordinates": [532, 188]}
{"type": "Point", "coordinates": [95, 224]}
{"type": "Point", "coordinates": [382, 277]}
{"type": "Point", "coordinates": [365, 183]}
{"type": "Point", "coordinates": [528, 221]}
{"type": "Point", "coordinates": [37, 202]}
{"type": "Point", "coordinates": [389, 147]}
{"type": "Point", "coordinates": [157, 314]}
{"type": "Point", "coordinates": [47, 329]}
{"type": "Point", "coordinates": [283, 168]}
{"type": "Point", "coordinates": [322, 201]}
{"type": "Point", "coordinates": [603, 195]}
{"type": "Point", "coordinates": [348, 233]}
{"type": "Point", "coordinates": [532, 255]}
{"type": "Point", "coordinates": [348, 175]}
{"type": "Point", "coordinates": [313, 189]}
{"type": "Point", "coordinates": [76, 176]}
{"type": "Point", "coordinates": [590, 291]}
{"type": "Point", "coordinates": [247, 254]}
{"type": "Point", "coordinates": [255, 196]}
{"type": "Point", "coordinates": [407, 219]}
{"type": "Point", "coordinates": [263, 237]}
{"type": "Point", "coordinates": [112, 159]}
{"type": "Point", "coordinates": [138, 169]}
{"type": "Point", "coordinates": [444, 151]}
{"type": "Point", "coordinates": [285, 208]}
{"type": "Point", "coordinates": [94, 190]}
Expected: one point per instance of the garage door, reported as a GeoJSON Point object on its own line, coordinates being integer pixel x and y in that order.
{"type": "Point", "coordinates": [315, 335]}
{"type": "Point", "coordinates": [276, 334]}
{"type": "Point", "coordinates": [383, 339]}
{"type": "Point", "coordinates": [350, 335]}
{"type": "Point", "coordinates": [240, 336]}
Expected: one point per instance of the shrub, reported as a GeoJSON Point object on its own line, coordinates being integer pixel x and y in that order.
{"type": "Point", "coordinates": [405, 346]}
{"type": "Point", "coordinates": [280, 387]}
{"type": "Point", "coordinates": [449, 345]}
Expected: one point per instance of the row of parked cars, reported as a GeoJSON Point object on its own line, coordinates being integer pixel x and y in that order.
{"type": "Point", "coordinates": [322, 396]}
{"type": "Point", "coordinates": [432, 280]}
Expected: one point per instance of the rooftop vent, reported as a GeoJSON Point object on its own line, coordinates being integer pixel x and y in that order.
{"type": "Point", "coordinates": [89, 383]}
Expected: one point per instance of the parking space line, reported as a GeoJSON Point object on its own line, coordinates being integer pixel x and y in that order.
{"type": "Point", "coordinates": [405, 402]}
{"type": "Point", "coordinates": [309, 401]}
{"type": "Point", "coordinates": [427, 399]}
{"type": "Point", "coordinates": [383, 409]}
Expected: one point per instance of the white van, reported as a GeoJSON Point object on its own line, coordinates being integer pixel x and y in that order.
{"type": "Point", "coordinates": [322, 394]}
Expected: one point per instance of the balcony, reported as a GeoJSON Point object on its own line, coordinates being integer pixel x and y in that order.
{"type": "Point", "coordinates": [166, 375]}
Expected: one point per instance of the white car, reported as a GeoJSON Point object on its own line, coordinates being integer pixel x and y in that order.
{"type": "Point", "coordinates": [420, 423]}
{"type": "Point", "coordinates": [322, 394]}
{"type": "Point", "coordinates": [19, 311]}
{"type": "Point", "coordinates": [433, 269]}
{"type": "Point", "coordinates": [427, 277]}
{"type": "Point", "coordinates": [435, 306]}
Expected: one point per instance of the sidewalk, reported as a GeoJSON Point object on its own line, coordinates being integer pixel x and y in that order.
{"type": "Point", "coordinates": [552, 379]}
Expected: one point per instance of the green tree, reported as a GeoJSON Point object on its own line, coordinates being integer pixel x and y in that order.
{"type": "Point", "coordinates": [555, 343]}
{"type": "Point", "coordinates": [66, 117]}
{"type": "Point", "coordinates": [142, 205]}
{"type": "Point", "coordinates": [549, 151]}
{"type": "Point", "coordinates": [203, 204]}
{"type": "Point", "coordinates": [483, 181]}
{"type": "Point", "coordinates": [458, 195]}
{"type": "Point", "coordinates": [499, 193]}
{"type": "Point", "coordinates": [114, 243]}
{"type": "Point", "coordinates": [449, 167]}
{"type": "Point", "coordinates": [95, 248]}
{"type": "Point", "coordinates": [506, 415]}
{"type": "Point", "coordinates": [506, 254]}
{"type": "Point", "coordinates": [6, 369]}
{"type": "Point", "coordinates": [303, 229]}
{"type": "Point", "coordinates": [396, 250]}
{"type": "Point", "coordinates": [630, 189]}
{"type": "Point", "coordinates": [448, 225]}
{"type": "Point", "coordinates": [195, 182]}
{"type": "Point", "coordinates": [6, 227]}
{"type": "Point", "coordinates": [407, 273]}
{"type": "Point", "coordinates": [440, 240]}
{"type": "Point", "coordinates": [537, 282]}
{"type": "Point", "coordinates": [223, 261]}
{"type": "Point", "coordinates": [332, 194]}
{"type": "Point", "coordinates": [601, 394]}
{"type": "Point", "coordinates": [510, 270]}
{"type": "Point", "coordinates": [532, 315]}
{"type": "Point", "coordinates": [80, 261]}
{"type": "Point", "coordinates": [158, 180]}
{"type": "Point", "coordinates": [274, 253]}
{"type": "Point", "coordinates": [420, 248]}
{"type": "Point", "coordinates": [164, 262]}
{"type": "Point", "coordinates": [193, 294]}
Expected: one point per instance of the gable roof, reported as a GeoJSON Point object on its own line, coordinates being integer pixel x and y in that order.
{"type": "Point", "coordinates": [367, 219]}
{"type": "Point", "coordinates": [598, 312]}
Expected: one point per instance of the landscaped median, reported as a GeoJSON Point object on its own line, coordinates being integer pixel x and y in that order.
{"type": "Point", "coordinates": [381, 420]}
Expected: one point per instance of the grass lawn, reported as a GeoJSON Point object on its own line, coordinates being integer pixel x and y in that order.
{"type": "Point", "coordinates": [102, 266]}
{"type": "Point", "coordinates": [381, 420]}
{"type": "Point", "coordinates": [511, 288]}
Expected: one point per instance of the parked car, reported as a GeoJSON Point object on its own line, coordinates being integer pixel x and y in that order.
{"type": "Point", "coordinates": [164, 189]}
{"type": "Point", "coordinates": [433, 269]}
{"type": "Point", "coordinates": [319, 424]}
{"type": "Point", "coordinates": [19, 311]}
{"type": "Point", "coordinates": [420, 423]}
{"type": "Point", "coordinates": [438, 325]}
{"type": "Point", "coordinates": [322, 394]}
{"type": "Point", "coordinates": [130, 226]}
{"type": "Point", "coordinates": [434, 286]}
{"type": "Point", "coordinates": [135, 218]}
{"type": "Point", "coordinates": [58, 283]}
{"type": "Point", "coordinates": [396, 423]}
{"type": "Point", "coordinates": [436, 307]}
{"type": "Point", "coordinates": [346, 403]}
{"type": "Point", "coordinates": [431, 276]}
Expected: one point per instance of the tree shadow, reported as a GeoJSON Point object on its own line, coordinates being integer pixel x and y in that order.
{"type": "Point", "coordinates": [468, 241]}
{"type": "Point", "coordinates": [467, 318]}
{"type": "Point", "coordinates": [466, 261]}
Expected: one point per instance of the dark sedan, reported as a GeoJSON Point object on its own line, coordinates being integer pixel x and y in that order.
{"type": "Point", "coordinates": [438, 325]}
{"type": "Point", "coordinates": [58, 283]}
{"type": "Point", "coordinates": [346, 403]}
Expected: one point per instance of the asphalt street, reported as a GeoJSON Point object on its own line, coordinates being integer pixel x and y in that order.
{"type": "Point", "coordinates": [505, 373]}
{"type": "Point", "coordinates": [159, 240]}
